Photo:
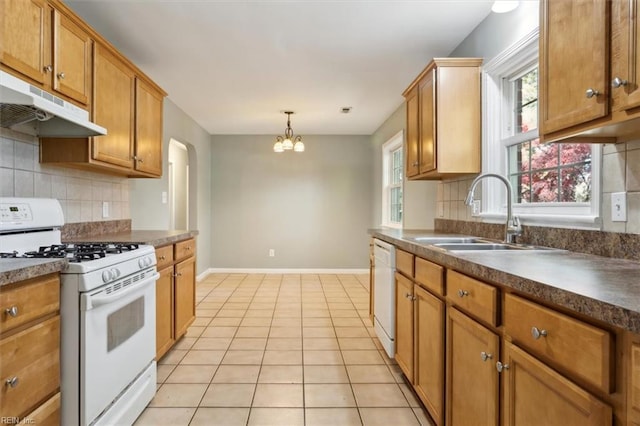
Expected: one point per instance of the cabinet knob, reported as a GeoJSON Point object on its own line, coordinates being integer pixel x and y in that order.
{"type": "Point", "coordinates": [485, 356]}
{"type": "Point", "coordinates": [12, 311]}
{"type": "Point", "coordinates": [617, 82]}
{"type": "Point", "coordinates": [463, 293]}
{"type": "Point", "coordinates": [12, 382]}
{"type": "Point", "coordinates": [500, 366]}
{"type": "Point", "coordinates": [61, 76]}
{"type": "Point", "coordinates": [162, 258]}
{"type": "Point", "coordinates": [415, 164]}
{"type": "Point", "coordinates": [408, 295]}
{"type": "Point", "coordinates": [591, 93]}
{"type": "Point", "coordinates": [136, 158]}
{"type": "Point", "coordinates": [536, 333]}
{"type": "Point", "coordinates": [179, 274]}
{"type": "Point", "coordinates": [48, 68]}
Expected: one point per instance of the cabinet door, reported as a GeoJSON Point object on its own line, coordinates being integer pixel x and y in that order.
{"type": "Point", "coordinates": [574, 58]}
{"type": "Point", "coordinates": [427, 97]}
{"type": "Point", "coordinates": [164, 312]}
{"type": "Point", "coordinates": [72, 59]}
{"type": "Point", "coordinates": [534, 394]}
{"type": "Point", "coordinates": [148, 136]}
{"type": "Point", "coordinates": [185, 295]}
{"type": "Point", "coordinates": [633, 393]}
{"type": "Point", "coordinates": [625, 58]}
{"type": "Point", "coordinates": [472, 379]}
{"type": "Point", "coordinates": [404, 325]}
{"type": "Point", "coordinates": [413, 133]}
{"type": "Point", "coordinates": [24, 37]}
{"type": "Point", "coordinates": [113, 109]}
{"type": "Point", "coordinates": [429, 344]}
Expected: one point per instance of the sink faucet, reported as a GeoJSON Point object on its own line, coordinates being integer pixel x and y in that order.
{"type": "Point", "coordinates": [513, 228]}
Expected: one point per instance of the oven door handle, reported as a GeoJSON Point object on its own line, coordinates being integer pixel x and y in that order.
{"type": "Point", "coordinates": [89, 302]}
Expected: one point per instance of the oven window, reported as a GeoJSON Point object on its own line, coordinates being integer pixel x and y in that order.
{"type": "Point", "coordinates": [124, 323]}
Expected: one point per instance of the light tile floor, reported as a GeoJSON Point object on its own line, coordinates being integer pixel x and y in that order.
{"type": "Point", "coordinates": [281, 350]}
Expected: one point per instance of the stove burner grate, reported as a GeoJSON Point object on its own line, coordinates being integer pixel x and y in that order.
{"type": "Point", "coordinates": [11, 255]}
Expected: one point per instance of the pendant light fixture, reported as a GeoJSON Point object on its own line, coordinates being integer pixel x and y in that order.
{"type": "Point", "coordinates": [288, 142]}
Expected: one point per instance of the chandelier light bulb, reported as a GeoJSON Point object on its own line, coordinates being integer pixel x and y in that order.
{"type": "Point", "coordinates": [298, 147]}
{"type": "Point", "coordinates": [277, 147]}
{"type": "Point", "coordinates": [287, 144]}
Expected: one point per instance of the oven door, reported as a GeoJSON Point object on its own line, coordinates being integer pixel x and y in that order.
{"type": "Point", "coordinates": [117, 341]}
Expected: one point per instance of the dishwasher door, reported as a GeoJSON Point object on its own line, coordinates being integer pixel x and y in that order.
{"type": "Point", "coordinates": [384, 310]}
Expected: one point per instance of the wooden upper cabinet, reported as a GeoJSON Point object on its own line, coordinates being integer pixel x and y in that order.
{"type": "Point", "coordinates": [412, 161]}
{"type": "Point", "coordinates": [625, 58]}
{"type": "Point", "coordinates": [148, 134]}
{"type": "Point", "coordinates": [72, 59]}
{"type": "Point", "coordinates": [448, 119]}
{"type": "Point", "coordinates": [24, 35]}
{"type": "Point", "coordinates": [427, 100]}
{"type": "Point", "coordinates": [534, 394]}
{"type": "Point", "coordinates": [113, 108]}
{"type": "Point", "coordinates": [574, 61]}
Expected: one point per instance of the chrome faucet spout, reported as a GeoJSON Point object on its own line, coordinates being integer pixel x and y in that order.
{"type": "Point", "coordinates": [513, 228]}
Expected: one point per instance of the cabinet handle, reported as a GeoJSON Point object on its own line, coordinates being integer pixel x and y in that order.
{"type": "Point", "coordinates": [591, 93]}
{"type": "Point", "coordinates": [485, 356]}
{"type": "Point", "coordinates": [463, 293]}
{"type": "Point", "coordinates": [12, 382]}
{"type": "Point", "coordinates": [408, 296]}
{"type": "Point", "coordinates": [61, 76]}
{"type": "Point", "coordinates": [617, 82]}
{"type": "Point", "coordinates": [136, 158]}
{"type": "Point", "coordinates": [188, 248]}
{"type": "Point", "coordinates": [416, 164]}
{"type": "Point", "coordinates": [179, 274]}
{"type": "Point", "coordinates": [500, 366]}
{"type": "Point", "coordinates": [48, 68]}
{"type": "Point", "coordinates": [536, 333]}
{"type": "Point", "coordinates": [12, 311]}
{"type": "Point", "coordinates": [162, 258]}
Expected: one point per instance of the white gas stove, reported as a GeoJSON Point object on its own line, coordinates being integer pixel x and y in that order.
{"type": "Point", "coordinates": [107, 311]}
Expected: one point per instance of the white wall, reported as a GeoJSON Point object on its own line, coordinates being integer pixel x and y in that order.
{"type": "Point", "coordinates": [312, 208]}
{"type": "Point", "coordinates": [147, 209]}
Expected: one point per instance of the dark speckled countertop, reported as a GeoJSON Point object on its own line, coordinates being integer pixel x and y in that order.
{"type": "Point", "coordinates": [14, 270]}
{"type": "Point", "coordinates": [605, 289]}
{"type": "Point", "coordinates": [154, 238]}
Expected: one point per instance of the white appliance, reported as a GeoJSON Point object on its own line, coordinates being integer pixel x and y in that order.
{"type": "Point", "coordinates": [21, 102]}
{"type": "Point", "coordinates": [384, 307]}
{"type": "Point", "coordinates": [107, 311]}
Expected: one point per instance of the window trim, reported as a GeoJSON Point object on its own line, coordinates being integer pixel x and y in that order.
{"type": "Point", "coordinates": [585, 216]}
{"type": "Point", "coordinates": [393, 143]}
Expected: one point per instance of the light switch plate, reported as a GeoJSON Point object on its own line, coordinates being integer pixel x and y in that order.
{"type": "Point", "coordinates": [105, 209]}
{"type": "Point", "coordinates": [619, 207]}
{"type": "Point", "coordinates": [475, 208]}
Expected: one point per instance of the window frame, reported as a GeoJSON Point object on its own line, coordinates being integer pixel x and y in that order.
{"type": "Point", "coordinates": [388, 148]}
{"type": "Point", "coordinates": [516, 60]}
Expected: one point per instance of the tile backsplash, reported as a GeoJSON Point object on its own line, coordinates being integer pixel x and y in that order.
{"type": "Point", "coordinates": [81, 193]}
{"type": "Point", "coordinates": [620, 173]}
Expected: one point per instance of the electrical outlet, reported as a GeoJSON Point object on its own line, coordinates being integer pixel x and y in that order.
{"type": "Point", "coordinates": [619, 207]}
{"type": "Point", "coordinates": [164, 197]}
{"type": "Point", "coordinates": [105, 209]}
{"type": "Point", "coordinates": [272, 253]}
{"type": "Point", "coordinates": [475, 208]}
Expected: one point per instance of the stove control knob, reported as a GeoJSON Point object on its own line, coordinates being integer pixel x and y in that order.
{"type": "Point", "coordinates": [148, 261]}
{"type": "Point", "coordinates": [107, 276]}
{"type": "Point", "coordinates": [141, 263]}
{"type": "Point", "coordinates": [116, 272]}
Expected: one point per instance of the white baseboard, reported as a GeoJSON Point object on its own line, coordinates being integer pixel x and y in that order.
{"type": "Point", "coordinates": [210, 271]}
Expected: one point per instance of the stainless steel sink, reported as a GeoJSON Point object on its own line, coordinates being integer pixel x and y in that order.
{"type": "Point", "coordinates": [486, 246]}
{"type": "Point", "coordinates": [446, 240]}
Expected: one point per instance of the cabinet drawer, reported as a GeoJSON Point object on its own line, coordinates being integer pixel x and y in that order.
{"type": "Point", "coordinates": [185, 249]}
{"type": "Point", "coordinates": [581, 349]}
{"type": "Point", "coordinates": [473, 296]}
{"type": "Point", "coordinates": [164, 256]}
{"type": "Point", "coordinates": [404, 262]}
{"type": "Point", "coordinates": [47, 414]}
{"type": "Point", "coordinates": [32, 356]}
{"type": "Point", "coordinates": [430, 276]}
{"type": "Point", "coordinates": [29, 301]}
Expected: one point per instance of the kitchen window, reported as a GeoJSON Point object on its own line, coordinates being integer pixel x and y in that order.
{"type": "Point", "coordinates": [392, 172]}
{"type": "Point", "coordinates": [553, 184]}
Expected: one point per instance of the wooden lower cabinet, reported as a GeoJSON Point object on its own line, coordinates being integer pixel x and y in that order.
{"type": "Point", "coordinates": [534, 394]}
{"type": "Point", "coordinates": [175, 293]}
{"type": "Point", "coordinates": [472, 379]}
{"type": "Point", "coordinates": [633, 390]}
{"type": "Point", "coordinates": [429, 352]}
{"type": "Point", "coordinates": [185, 296]}
{"type": "Point", "coordinates": [164, 312]}
{"type": "Point", "coordinates": [48, 414]}
{"type": "Point", "coordinates": [404, 325]}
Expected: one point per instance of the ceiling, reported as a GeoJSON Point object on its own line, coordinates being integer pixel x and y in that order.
{"type": "Point", "coordinates": [233, 66]}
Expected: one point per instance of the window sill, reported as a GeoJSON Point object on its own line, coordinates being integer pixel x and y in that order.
{"type": "Point", "coordinates": [588, 222]}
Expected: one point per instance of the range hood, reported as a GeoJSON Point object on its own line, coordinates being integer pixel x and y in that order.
{"type": "Point", "coordinates": [22, 103]}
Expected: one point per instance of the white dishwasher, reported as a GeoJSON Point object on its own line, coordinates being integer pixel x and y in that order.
{"type": "Point", "coordinates": [384, 306]}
